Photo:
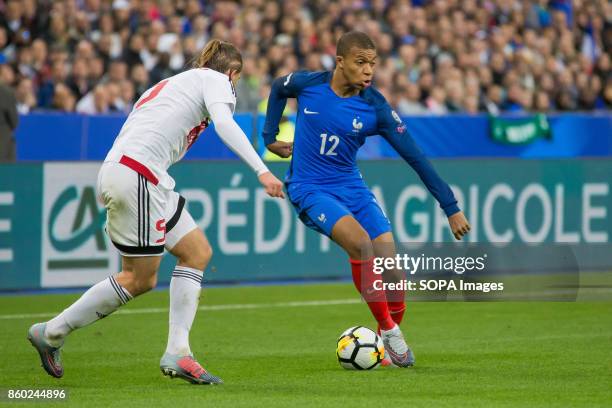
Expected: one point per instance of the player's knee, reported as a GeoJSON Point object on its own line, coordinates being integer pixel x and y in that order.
{"type": "Point", "coordinates": [207, 254]}
{"type": "Point", "coordinates": [146, 284]}
{"type": "Point", "coordinates": [151, 282]}
{"type": "Point", "coordinates": [198, 259]}
{"type": "Point", "coordinates": [141, 284]}
{"type": "Point", "coordinates": [359, 246]}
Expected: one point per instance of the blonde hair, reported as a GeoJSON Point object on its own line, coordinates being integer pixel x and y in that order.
{"type": "Point", "coordinates": [220, 56]}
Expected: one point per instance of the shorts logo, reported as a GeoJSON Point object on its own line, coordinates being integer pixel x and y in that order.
{"type": "Point", "coordinates": [322, 218]}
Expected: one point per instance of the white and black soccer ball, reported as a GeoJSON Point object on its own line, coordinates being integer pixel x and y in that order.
{"type": "Point", "coordinates": [360, 348]}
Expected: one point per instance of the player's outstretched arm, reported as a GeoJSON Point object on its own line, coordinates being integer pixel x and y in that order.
{"type": "Point", "coordinates": [231, 134]}
{"type": "Point", "coordinates": [281, 89]}
{"type": "Point", "coordinates": [390, 126]}
{"type": "Point", "coordinates": [403, 143]}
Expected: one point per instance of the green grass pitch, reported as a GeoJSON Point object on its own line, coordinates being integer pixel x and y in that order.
{"type": "Point", "coordinates": [275, 346]}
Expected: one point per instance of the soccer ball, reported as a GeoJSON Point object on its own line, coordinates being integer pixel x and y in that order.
{"type": "Point", "coordinates": [360, 348]}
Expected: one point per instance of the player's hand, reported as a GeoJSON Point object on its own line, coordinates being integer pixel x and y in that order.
{"type": "Point", "coordinates": [459, 225]}
{"type": "Point", "coordinates": [282, 149]}
{"type": "Point", "coordinates": [273, 186]}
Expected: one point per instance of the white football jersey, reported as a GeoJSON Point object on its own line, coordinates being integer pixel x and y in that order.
{"type": "Point", "coordinates": [169, 117]}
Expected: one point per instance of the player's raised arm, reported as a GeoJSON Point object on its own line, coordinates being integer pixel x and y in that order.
{"type": "Point", "coordinates": [285, 87]}
{"type": "Point", "coordinates": [281, 89]}
{"type": "Point", "coordinates": [232, 135]}
{"type": "Point", "coordinates": [391, 127]}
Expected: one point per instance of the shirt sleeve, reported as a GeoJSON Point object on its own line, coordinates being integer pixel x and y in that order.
{"type": "Point", "coordinates": [285, 87]}
{"type": "Point", "coordinates": [282, 88]}
{"type": "Point", "coordinates": [234, 138]}
{"type": "Point", "coordinates": [218, 89]}
{"type": "Point", "coordinates": [391, 127]}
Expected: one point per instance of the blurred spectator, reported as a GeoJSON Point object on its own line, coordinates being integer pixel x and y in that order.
{"type": "Point", "coordinates": [63, 99]}
{"type": "Point", "coordinates": [95, 102]}
{"type": "Point", "coordinates": [58, 75]}
{"type": "Point", "coordinates": [409, 101]}
{"type": "Point", "coordinates": [140, 78]}
{"type": "Point", "coordinates": [79, 82]}
{"type": "Point", "coordinates": [436, 101]}
{"type": "Point", "coordinates": [434, 55]}
{"type": "Point", "coordinates": [126, 89]}
{"type": "Point", "coordinates": [8, 123]}
{"type": "Point", "coordinates": [7, 75]}
{"type": "Point", "coordinates": [542, 102]}
{"type": "Point", "coordinates": [248, 86]}
{"type": "Point", "coordinates": [24, 93]}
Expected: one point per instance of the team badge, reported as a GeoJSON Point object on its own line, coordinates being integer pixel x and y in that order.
{"type": "Point", "coordinates": [357, 126]}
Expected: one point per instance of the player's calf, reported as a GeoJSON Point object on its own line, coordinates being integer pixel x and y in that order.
{"type": "Point", "coordinates": [137, 284]}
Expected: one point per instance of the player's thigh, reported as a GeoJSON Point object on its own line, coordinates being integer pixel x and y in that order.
{"type": "Point", "coordinates": [352, 237]}
{"type": "Point", "coordinates": [140, 265]}
{"type": "Point", "coordinates": [184, 239]}
{"type": "Point", "coordinates": [139, 273]}
{"type": "Point", "coordinates": [135, 211]}
{"type": "Point", "coordinates": [327, 214]}
{"type": "Point", "coordinates": [384, 245]}
{"type": "Point", "coordinates": [369, 214]}
{"type": "Point", "coordinates": [317, 209]}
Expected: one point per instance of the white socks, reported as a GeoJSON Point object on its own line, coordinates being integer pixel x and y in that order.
{"type": "Point", "coordinates": [98, 302]}
{"type": "Point", "coordinates": [107, 296]}
{"type": "Point", "coordinates": [185, 288]}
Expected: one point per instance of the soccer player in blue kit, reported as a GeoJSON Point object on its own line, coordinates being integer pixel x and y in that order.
{"type": "Point", "coordinates": [336, 112]}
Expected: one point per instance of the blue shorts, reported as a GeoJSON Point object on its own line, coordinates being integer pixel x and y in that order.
{"type": "Point", "coordinates": [321, 206]}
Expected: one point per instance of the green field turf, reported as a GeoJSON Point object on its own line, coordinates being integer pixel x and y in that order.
{"type": "Point", "coordinates": [275, 346]}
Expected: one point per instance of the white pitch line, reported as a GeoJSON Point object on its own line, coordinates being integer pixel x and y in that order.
{"type": "Point", "coordinates": [244, 306]}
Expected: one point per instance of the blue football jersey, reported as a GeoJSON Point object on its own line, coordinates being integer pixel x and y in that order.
{"type": "Point", "coordinates": [330, 129]}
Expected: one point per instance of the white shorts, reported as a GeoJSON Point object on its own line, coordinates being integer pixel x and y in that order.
{"type": "Point", "coordinates": [142, 218]}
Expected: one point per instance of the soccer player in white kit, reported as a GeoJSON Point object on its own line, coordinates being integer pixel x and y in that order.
{"type": "Point", "coordinates": [145, 215]}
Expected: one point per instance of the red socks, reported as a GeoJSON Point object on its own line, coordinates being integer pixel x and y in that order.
{"type": "Point", "coordinates": [363, 278]}
{"type": "Point", "coordinates": [397, 309]}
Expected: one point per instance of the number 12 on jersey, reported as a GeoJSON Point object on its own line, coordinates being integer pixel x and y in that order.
{"type": "Point", "coordinates": [332, 141]}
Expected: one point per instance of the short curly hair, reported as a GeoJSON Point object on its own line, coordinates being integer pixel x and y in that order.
{"type": "Point", "coordinates": [354, 39]}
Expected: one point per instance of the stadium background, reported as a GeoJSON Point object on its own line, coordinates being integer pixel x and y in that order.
{"type": "Point", "coordinates": [476, 81]}
{"type": "Point", "coordinates": [510, 98]}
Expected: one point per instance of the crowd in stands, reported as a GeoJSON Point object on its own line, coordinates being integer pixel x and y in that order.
{"type": "Point", "coordinates": [435, 56]}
